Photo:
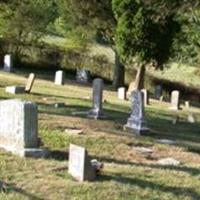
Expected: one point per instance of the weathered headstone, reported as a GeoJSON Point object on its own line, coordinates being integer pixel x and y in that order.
{"type": "Point", "coordinates": [19, 128]}
{"type": "Point", "coordinates": [175, 100]}
{"type": "Point", "coordinates": [136, 122]}
{"type": "Point", "coordinates": [30, 82]}
{"type": "Point", "coordinates": [82, 76]}
{"type": "Point", "coordinates": [79, 164]}
{"type": "Point", "coordinates": [59, 78]}
{"type": "Point", "coordinates": [8, 63]}
{"type": "Point", "coordinates": [122, 93]}
{"type": "Point", "coordinates": [191, 118]}
{"type": "Point", "coordinates": [146, 97]}
{"type": "Point", "coordinates": [96, 112]}
{"type": "Point", "coordinates": [158, 92]}
{"type": "Point", "coordinates": [187, 104]}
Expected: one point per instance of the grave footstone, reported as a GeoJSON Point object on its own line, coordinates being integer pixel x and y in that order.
{"type": "Point", "coordinates": [122, 93]}
{"type": "Point", "coordinates": [136, 122]}
{"type": "Point", "coordinates": [97, 112]}
{"type": "Point", "coordinates": [8, 63]}
{"type": "Point", "coordinates": [158, 92]}
{"type": "Point", "coordinates": [59, 78]}
{"type": "Point", "coordinates": [79, 164]}
{"type": "Point", "coordinates": [19, 128]}
{"type": "Point", "coordinates": [146, 97]}
{"type": "Point", "coordinates": [82, 76]}
{"type": "Point", "coordinates": [175, 100]}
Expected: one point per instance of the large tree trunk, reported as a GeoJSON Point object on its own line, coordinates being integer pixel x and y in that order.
{"type": "Point", "coordinates": [119, 72]}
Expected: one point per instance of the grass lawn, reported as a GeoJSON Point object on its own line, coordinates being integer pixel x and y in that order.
{"type": "Point", "coordinates": [127, 174]}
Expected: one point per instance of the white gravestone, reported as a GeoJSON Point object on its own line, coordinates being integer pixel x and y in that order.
{"type": "Point", "coordinates": [175, 100]}
{"type": "Point", "coordinates": [136, 123]}
{"type": "Point", "coordinates": [122, 93]}
{"type": "Point", "coordinates": [79, 164]}
{"type": "Point", "coordinates": [59, 78]}
{"type": "Point", "coordinates": [8, 64]}
{"type": "Point", "coordinates": [18, 128]}
{"type": "Point", "coordinates": [96, 112]}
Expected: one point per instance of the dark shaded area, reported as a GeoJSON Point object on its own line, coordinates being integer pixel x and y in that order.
{"type": "Point", "coordinates": [58, 155]}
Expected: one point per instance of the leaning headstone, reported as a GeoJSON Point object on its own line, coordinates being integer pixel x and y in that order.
{"type": "Point", "coordinates": [19, 128]}
{"type": "Point", "coordinates": [30, 82]}
{"type": "Point", "coordinates": [158, 92]}
{"type": "Point", "coordinates": [8, 63]}
{"type": "Point", "coordinates": [59, 78]}
{"type": "Point", "coordinates": [136, 122]}
{"type": "Point", "coordinates": [122, 93]}
{"type": "Point", "coordinates": [79, 164]}
{"type": "Point", "coordinates": [96, 112]}
{"type": "Point", "coordinates": [82, 76]}
{"type": "Point", "coordinates": [146, 96]}
{"type": "Point", "coordinates": [175, 100]}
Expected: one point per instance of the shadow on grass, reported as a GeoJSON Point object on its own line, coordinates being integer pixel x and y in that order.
{"type": "Point", "coordinates": [58, 155]}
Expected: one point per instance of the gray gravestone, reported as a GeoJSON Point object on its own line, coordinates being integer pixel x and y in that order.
{"type": "Point", "coordinates": [122, 93]}
{"type": "Point", "coordinates": [83, 76]}
{"type": "Point", "coordinates": [18, 128]}
{"type": "Point", "coordinates": [175, 100]}
{"type": "Point", "coordinates": [8, 63]}
{"type": "Point", "coordinates": [158, 92]}
{"type": "Point", "coordinates": [59, 78]}
{"type": "Point", "coordinates": [79, 164]}
{"type": "Point", "coordinates": [96, 112]}
{"type": "Point", "coordinates": [136, 122]}
{"type": "Point", "coordinates": [146, 97]}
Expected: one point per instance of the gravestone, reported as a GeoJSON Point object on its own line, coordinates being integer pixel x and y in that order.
{"type": "Point", "coordinates": [146, 97]}
{"type": "Point", "coordinates": [30, 82]}
{"type": "Point", "coordinates": [136, 122]}
{"type": "Point", "coordinates": [83, 76]}
{"type": "Point", "coordinates": [19, 128]}
{"type": "Point", "coordinates": [79, 164]}
{"type": "Point", "coordinates": [187, 104]}
{"type": "Point", "coordinates": [158, 92]}
{"type": "Point", "coordinates": [175, 100]}
{"type": "Point", "coordinates": [96, 112]}
{"type": "Point", "coordinates": [122, 93]}
{"type": "Point", "coordinates": [59, 78]}
{"type": "Point", "coordinates": [8, 63]}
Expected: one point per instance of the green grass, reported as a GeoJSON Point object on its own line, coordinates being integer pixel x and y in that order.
{"type": "Point", "coordinates": [127, 174]}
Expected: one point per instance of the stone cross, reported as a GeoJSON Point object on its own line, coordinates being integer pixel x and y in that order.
{"type": "Point", "coordinates": [30, 82]}
{"type": "Point", "coordinates": [146, 97]}
{"type": "Point", "coordinates": [96, 112]}
{"type": "Point", "coordinates": [136, 122]}
{"type": "Point", "coordinates": [122, 93]}
{"type": "Point", "coordinates": [158, 92]}
{"type": "Point", "coordinates": [175, 100]}
{"type": "Point", "coordinates": [83, 76]}
{"type": "Point", "coordinates": [8, 63]}
{"type": "Point", "coordinates": [79, 164]}
{"type": "Point", "coordinates": [19, 128]}
{"type": "Point", "coordinates": [59, 78]}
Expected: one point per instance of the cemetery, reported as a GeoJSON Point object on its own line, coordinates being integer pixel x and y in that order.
{"type": "Point", "coordinates": [99, 100]}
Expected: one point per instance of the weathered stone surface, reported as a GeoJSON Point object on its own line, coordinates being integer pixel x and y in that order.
{"type": "Point", "coordinates": [169, 161]}
{"type": "Point", "coordinates": [136, 122]}
{"type": "Point", "coordinates": [18, 127]}
{"type": "Point", "coordinates": [187, 104]}
{"type": "Point", "coordinates": [79, 164]}
{"type": "Point", "coordinates": [158, 92]}
{"type": "Point", "coordinates": [175, 100]}
{"type": "Point", "coordinates": [146, 97]}
{"type": "Point", "coordinates": [122, 93]}
{"type": "Point", "coordinates": [83, 76]}
{"type": "Point", "coordinates": [15, 89]}
{"type": "Point", "coordinates": [30, 82]}
{"type": "Point", "coordinates": [59, 78]}
{"type": "Point", "coordinates": [96, 112]}
{"type": "Point", "coordinates": [8, 63]}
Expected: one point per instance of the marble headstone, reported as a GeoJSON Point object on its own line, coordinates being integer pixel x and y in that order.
{"type": "Point", "coordinates": [8, 63]}
{"type": "Point", "coordinates": [122, 93]}
{"type": "Point", "coordinates": [175, 100]}
{"type": "Point", "coordinates": [83, 76]}
{"type": "Point", "coordinates": [158, 92]}
{"type": "Point", "coordinates": [97, 112]}
{"type": "Point", "coordinates": [146, 97]}
{"type": "Point", "coordinates": [19, 128]}
{"type": "Point", "coordinates": [136, 122]}
{"type": "Point", "coordinates": [59, 78]}
{"type": "Point", "coordinates": [79, 164]}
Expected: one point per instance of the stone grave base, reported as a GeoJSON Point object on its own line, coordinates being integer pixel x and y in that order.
{"type": "Point", "coordinates": [92, 114]}
{"type": "Point", "coordinates": [15, 89]}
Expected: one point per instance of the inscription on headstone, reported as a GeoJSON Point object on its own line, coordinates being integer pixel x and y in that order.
{"type": "Point", "coordinates": [96, 112]}
{"type": "Point", "coordinates": [8, 64]}
{"type": "Point", "coordinates": [136, 122]}
{"type": "Point", "coordinates": [59, 78]}
{"type": "Point", "coordinates": [175, 100]}
{"type": "Point", "coordinates": [79, 164]}
{"type": "Point", "coordinates": [122, 93]}
{"type": "Point", "coordinates": [83, 76]}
